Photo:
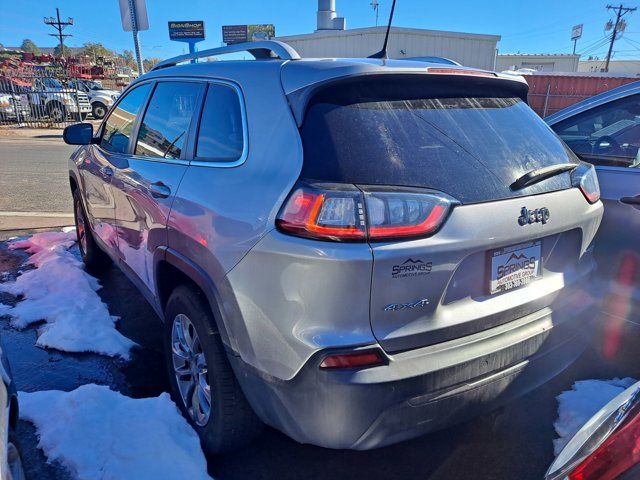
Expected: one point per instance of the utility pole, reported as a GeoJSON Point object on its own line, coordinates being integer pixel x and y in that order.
{"type": "Point", "coordinates": [59, 25]}
{"type": "Point", "coordinates": [621, 12]}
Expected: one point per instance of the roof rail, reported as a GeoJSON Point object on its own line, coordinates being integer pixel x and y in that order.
{"type": "Point", "coordinates": [265, 49]}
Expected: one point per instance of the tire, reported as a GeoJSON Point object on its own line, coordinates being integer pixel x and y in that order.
{"type": "Point", "coordinates": [14, 459]}
{"type": "Point", "coordinates": [57, 112]}
{"type": "Point", "coordinates": [95, 260]}
{"type": "Point", "coordinates": [231, 422]}
{"type": "Point", "coordinates": [99, 110]}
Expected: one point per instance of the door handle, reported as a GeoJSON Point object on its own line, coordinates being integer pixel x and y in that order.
{"type": "Point", "coordinates": [631, 200]}
{"type": "Point", "coordinates": [159, 190]}
{"type": "Point", "coordinates": [107, 171]}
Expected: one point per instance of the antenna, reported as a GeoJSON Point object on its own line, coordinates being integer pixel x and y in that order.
{"type": "Point", "coordinates": [383, 53]}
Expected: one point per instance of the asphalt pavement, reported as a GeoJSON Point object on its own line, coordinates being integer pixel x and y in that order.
{"type": "Point", "coordinates": [34, 185]}
{"type": "Point", "coordinates": [512, 442]}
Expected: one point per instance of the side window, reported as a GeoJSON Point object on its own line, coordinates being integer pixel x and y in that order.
{"type": "Point", "coordinates": [220, 136]}
{"type": "Point", "coordinates": [163, 132]}
{"type": "Point", "coordinates": [607, 135]}
{"type": "Point", "coordinates": [118, 126]}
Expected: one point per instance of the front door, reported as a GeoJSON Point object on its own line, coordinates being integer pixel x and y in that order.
{"type": "Point", "coordinates": [97, 168]}
{"type": "Point", "coordinates": [145, 188]}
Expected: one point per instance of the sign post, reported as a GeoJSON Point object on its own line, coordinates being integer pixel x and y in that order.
{"type": "Point", "coordinates": [576, 33]}
{"type": "Point", "coordinates": [133, 14]}
{"type": "Point", "coordinates": [190, 32]}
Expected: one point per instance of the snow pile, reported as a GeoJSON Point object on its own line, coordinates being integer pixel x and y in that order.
{"type": "Point", "coordinates": [583, 401]}
{"type": "Point", "coordinates": [60, 292]}
{"type": "Point", "coordinates": [101, 434]}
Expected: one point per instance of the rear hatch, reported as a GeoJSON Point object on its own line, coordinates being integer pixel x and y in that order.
{"type": "Point", "coordinates": [503, 252]}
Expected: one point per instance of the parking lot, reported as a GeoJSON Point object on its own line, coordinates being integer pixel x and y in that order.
{"type": "Point", "coordinates": [514, 441]}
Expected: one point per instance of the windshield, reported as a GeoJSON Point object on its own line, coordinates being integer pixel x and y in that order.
{"type": "Point", "coordinates": [470, 147]}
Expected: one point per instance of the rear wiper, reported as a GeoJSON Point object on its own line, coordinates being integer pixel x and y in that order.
{"type": "Point", "coordinates": [539, 174]}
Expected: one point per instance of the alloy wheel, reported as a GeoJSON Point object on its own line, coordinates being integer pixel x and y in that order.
{"type": "Point", "coordinates": [190, 369]}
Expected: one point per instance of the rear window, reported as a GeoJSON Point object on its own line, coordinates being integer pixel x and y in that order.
{"type": "Point", "coordinates": [471, 147]}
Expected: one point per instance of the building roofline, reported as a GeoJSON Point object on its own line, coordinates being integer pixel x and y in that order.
{"type": "Point", "coordinates": [365, 30]}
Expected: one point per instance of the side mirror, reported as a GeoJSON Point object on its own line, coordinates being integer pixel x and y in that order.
{"type": "Point", "coordinates": [78, 134]}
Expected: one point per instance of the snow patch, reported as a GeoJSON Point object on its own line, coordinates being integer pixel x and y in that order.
{"type": "Point", "coordinates": [583, 401]}
{"type": "Point", "coordinates": [100, 434]}
{"type": "Point", "coordinates": [62, 294]}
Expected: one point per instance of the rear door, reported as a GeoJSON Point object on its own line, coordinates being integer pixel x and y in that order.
{"type": "Point", "coordinates": [103, 159]}
{"type": "Point", "coordinates": [473, 148]}
{"type": "Point", "coordinates": [145, 187]}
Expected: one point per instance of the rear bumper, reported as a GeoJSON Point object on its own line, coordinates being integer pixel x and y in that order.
{"type": "Point", "coordinates": [421, 390]}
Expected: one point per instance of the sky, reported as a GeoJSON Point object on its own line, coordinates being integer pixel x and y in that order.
{"type": "Point", "coordinates": [535, 26]}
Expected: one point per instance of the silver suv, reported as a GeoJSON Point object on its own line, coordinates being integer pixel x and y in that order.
{"type": "Point", "coordinates": [353, 251]}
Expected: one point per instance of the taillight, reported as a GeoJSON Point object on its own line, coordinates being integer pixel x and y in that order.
{"type": "Point", "coordinates": [617, 454]}
{"type": "Point", "coordinates": [398, 214]}
{"type": "Point", "coordinates": [460, 71]}
{"type": "Point", "coordinates": [360, 359]}
{"type": "Point", "coordinates": [347, 213]}
{"type": "Point", "coordinates": [584, 177]}
{"type": "Point", "coordinates": [329, 214]}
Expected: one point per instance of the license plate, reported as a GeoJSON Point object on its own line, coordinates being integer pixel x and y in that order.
{"type": "Point", "coordinates": [513, 267]}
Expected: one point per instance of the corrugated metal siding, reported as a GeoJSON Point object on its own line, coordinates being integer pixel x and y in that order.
{"type": "Point", "coordinates": [551, 93]}
{"type": "Point", "coordinates": [472, 52]}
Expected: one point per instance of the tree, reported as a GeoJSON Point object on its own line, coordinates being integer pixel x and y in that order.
{"type": "Point", "coordinates": [95, 50]}
{"type": "Point", "coordinates": [129, 61]}
{"type": "Point", "coordinates": [58, 53]}
{"type": "Point", "coordinates": [149, 63]}
{"type": "Point", "coordinates": [29, 46]}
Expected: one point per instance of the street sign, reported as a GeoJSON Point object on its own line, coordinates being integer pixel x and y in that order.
{"type": "Point", "coordinates": [186, 31]}
{"type": "Point", "coordinates": [247, 33]}
{"type": "Point", "coordinates": [140, 7]}
{"type": "Point", "coordinates": [576, 32]}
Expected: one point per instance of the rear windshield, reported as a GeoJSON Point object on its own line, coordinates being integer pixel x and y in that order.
{"type": "Point", "coordinates": [472, 148]}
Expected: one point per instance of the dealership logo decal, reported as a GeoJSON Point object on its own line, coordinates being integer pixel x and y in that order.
{"type": "Point", "coordinates": [394, 307]}
{"type": "Point", "coordinates": [539, 215]}
{"type": "Point", "coordinates": [516, 263]}
{"type": "Point", "coordinates": [411, 268]}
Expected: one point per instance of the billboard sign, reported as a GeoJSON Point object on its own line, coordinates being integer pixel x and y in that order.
{"type": "Point", "coordinates": [247, 33]}
{"type": "Point", "coordinates": [576, 32]}
{"type": "Point", "coordinates": [140, 10]}
{"type": "Point", "coordinates": [186, 30]}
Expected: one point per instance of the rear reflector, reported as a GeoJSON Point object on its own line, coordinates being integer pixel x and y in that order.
{"type": "Point", "coordinates": [346, 213]}
{"type": "Point", "coordinates": [361, 359]}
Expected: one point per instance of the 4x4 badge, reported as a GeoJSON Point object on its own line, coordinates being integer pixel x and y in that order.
{"type": "Point", "coordinates": [393, 307]}
{"type": "Point", "coordinates": [533, 216]}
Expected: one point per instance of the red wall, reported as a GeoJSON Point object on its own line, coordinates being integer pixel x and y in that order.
{"type": "Point", "coordinates": [565, 90]}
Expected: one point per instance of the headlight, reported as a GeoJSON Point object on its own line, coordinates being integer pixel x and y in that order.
{"type": "Point", "coordinates": [5, 103]}
{"type": "Point", "coordinates": [114, 97]}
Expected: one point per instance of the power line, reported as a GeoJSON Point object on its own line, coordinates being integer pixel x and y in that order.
{"type": "Point", "coordinates": [621, 12]}
{"type": "Point", "coordinates": [59, 25]}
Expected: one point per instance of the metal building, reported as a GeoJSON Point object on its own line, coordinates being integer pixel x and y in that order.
{"type": "Point", "coordinates": [544, 62]}
{"type": "Point", "coordinates": [331, 39]}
